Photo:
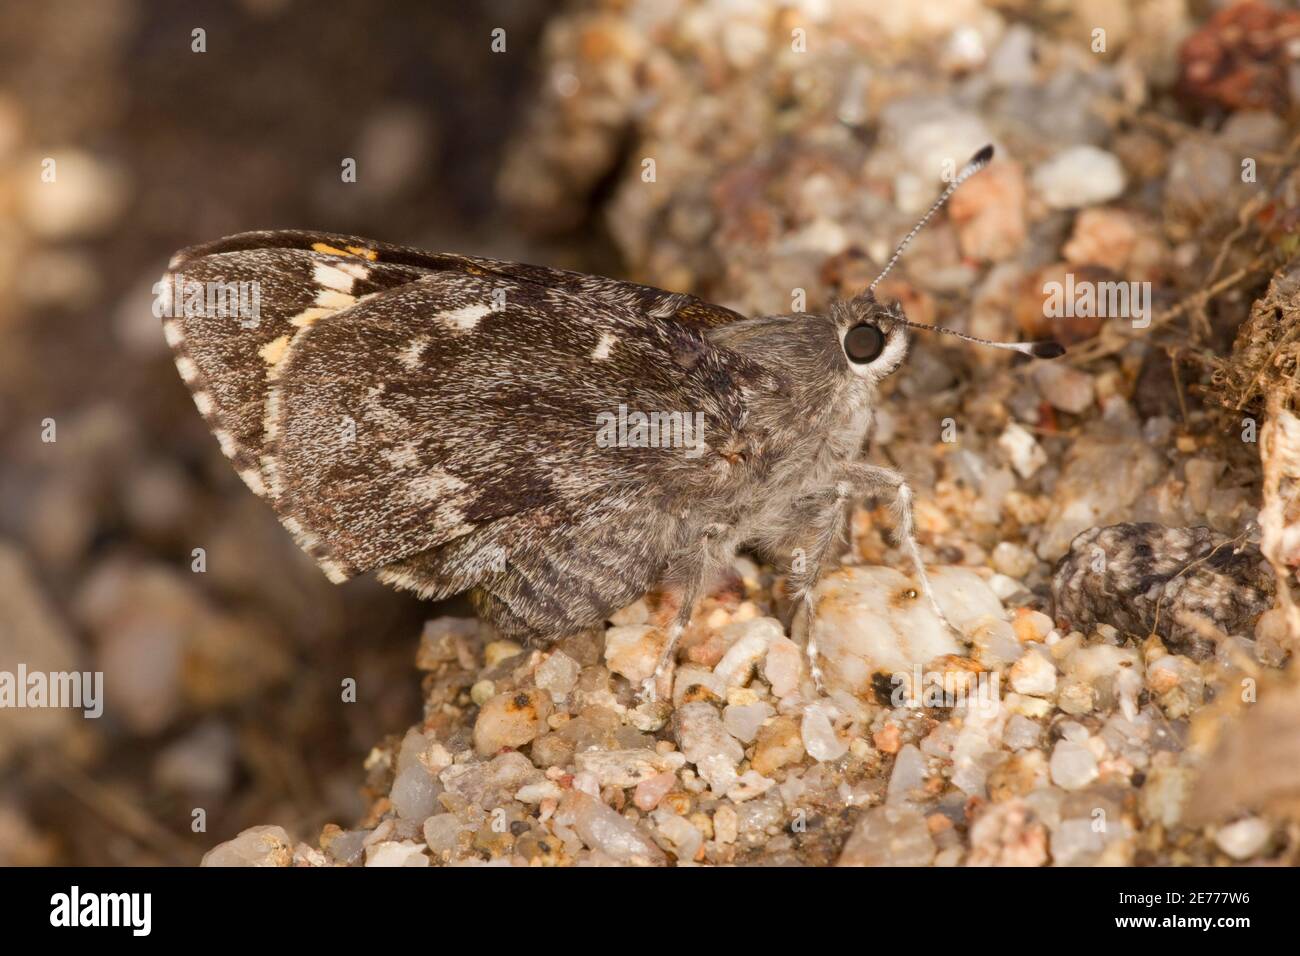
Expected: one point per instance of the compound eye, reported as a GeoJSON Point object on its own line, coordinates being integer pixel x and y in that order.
{"type": "Point", "coordinates": [864, 343]}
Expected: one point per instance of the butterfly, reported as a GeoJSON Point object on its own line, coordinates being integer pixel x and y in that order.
{"type": "Point", "coordinates": [556, 444]}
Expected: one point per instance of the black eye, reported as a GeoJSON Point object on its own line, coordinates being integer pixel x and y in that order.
{"type": "Point", "coordinates": [864, 343]}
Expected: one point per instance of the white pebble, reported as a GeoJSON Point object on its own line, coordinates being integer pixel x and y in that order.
{"type": "Point", "coordinates": [871, 620]}
{"type": "Point", "coordinates": [396, 853]}
{"type": "Point", "coordinates": [256, 846]}
{"type": "Point", "coordinates": [632, 650]}
{"type": "Point", "coordinates": [1022, 450]}
{"type": "Point", "coordinates": [737, 664]}
{"type": "Point", "coordinates": [743, 720]}
{"type": "Point", "coordinates": [558, 674]}
{"type": "Point", "coordinates": [1245, 838]}
{"type": "Point", "coordinates": [782, 666]}
{"type": "Point", "coordinates": [1079, 176]}
{"type": "Point", "coordinates": [909, 775]}
{"type": "Point", "coordinates": [1073, 765]}
{"type": "Point", "coordinates": [819, 737]}
{"type": "Point", "coordinates": [1033, 675]}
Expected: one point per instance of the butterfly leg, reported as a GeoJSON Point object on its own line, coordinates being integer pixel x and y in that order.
{"type": "Point", "coordinates": [702, 563]}
{"type": "Point", "coordinates": [873, 479]}
{"type": "Point", "coordinates": [820, 518]}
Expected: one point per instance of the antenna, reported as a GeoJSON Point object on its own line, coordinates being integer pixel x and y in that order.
{"type": "Point", "coordinates": [1044, 350]}
{"type": "Point", "coordinates": [973, 166]}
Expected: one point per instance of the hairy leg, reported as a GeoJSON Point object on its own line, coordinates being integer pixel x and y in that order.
{"type": "Point", "coordinates": [695, 570]}
{"type": "Point", "coordinates": [821, 520]}
{"type": "Point", "coordinates": [873, 479]}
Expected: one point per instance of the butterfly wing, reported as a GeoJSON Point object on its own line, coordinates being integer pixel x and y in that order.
{"type": "Point", "coordinates": [438, 416]}
{"type": "Point", "coordinates": [285, 280]}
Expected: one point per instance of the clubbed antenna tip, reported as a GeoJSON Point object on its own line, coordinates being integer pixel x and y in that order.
{"type": "Point", "coordinates": [1041, 350]}
{"type": "Point", "coordinates": [973, 166]}
{"type": "Point", "coordinates": [1047, 350]}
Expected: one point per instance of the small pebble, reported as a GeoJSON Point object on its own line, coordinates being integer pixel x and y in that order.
{"type": "Point", "coordinates": [1244, 838]}
{"type": "Point", "coordinates": [653, 789]}
{"type": "Point", "coordinates": [819, 737]}
{"type": "Point", "coordinates": [1064, 387]}
{"type": "Point", "coordinates": [1079, 176]}
{"type": "Point", "coordinates": [1073, 766]}
{"type": "Point", "coordinates": [1022, 450]}
{"type": "Point", "coordinates": [889, 836]}
{"type": "Point", "coordinates": [779, 744]}
{"type": "Point", "coordinates": [396, 853]}
{"type": "Point", "coordinates": [510, 720]}
{"type": "Point", "coordinates": [256, 846]}
{"type": "Point", "coordinates": [633, 650]}
{"type": "Point", "coordinates": [706, 743]}
{"type": "Point", "coordinates": [782, 666]}
{"type": "Point", "coordinates": [1034, 675]}
{"type": "Point", "coordinates": [558, 674]}
{"type": "Point", "coordinates": [751, 643]}
{"type": "Point", "coordinates": [744, 721]}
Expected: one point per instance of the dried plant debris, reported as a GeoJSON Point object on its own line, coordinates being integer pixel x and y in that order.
{"type": "Point", "coordinates": [1191, 586]}
{"type": "Point", "coordinates": [1242, 58]}
{"type": "Point", "coordinates": [1265, 357]}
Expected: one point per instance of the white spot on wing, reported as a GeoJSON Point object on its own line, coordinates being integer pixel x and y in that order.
{"type": "Point", "coordinates": [464, 318]}
{"type": "Point", "coordinates": [253, 478]}
{"type": "Point", "coordinates": [166, 296]}
{"type": "Point", "coordinates": [309, 315]}
{"type": "Point", "coordinates": [227, 442]}
{"type": "Point", "coordinates": [331, 299]}
{"type": "Point", "coordinates": [271, 469]}
{"type": "Point", "coordinates": [203, 402]}
{"type": "Point", "coordinates": [410, 356]}
{"type": "Point", "coordinates": [403, 579]}
{"type": "Point", "coordinates": [331, 277]}
{"type": "Point", "coordinates": [437, 485]}
{"type": "Point", "coordinates": [173, 332]}
{"type": "Point", "coordinates": [271, 418]}
{"type": "Point", "coordinates": [272, 352]}
{"type": "Point", "coordinates": [333, 570]}
{"type": "Point", "coordinates": [185, 365]}
{"type": "Point", "coordinates": [305, 538]}
{"type": "Point", "coordinates": [607, 342]}
{"type": "Point", "coordinates": [358, 270]}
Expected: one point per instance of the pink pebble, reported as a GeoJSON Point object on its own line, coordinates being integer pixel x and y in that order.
{"type": "Point", "coordinates": [653, 789]}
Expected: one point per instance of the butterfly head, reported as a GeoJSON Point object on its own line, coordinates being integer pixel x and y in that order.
{"type": "Point", "coordinates": [872, 336]}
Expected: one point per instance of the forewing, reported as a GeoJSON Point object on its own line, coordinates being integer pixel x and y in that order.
{"type": "Point", "coordinates": [284, 281]}
{"type": "Point", "coordinates": [428, 413]}
{"type": "Point", "coordinates": [389, 400]}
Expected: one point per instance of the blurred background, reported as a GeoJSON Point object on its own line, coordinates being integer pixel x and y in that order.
{"type": "Point", "coordinates": [778, 169]}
